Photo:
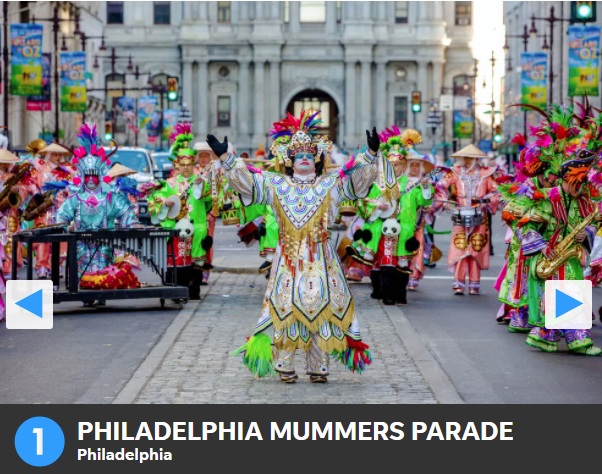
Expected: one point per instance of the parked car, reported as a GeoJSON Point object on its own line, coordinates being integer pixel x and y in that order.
{"type": "Point", "coordinates": [140, 160]}
{"type": "Point", "coordinates": [164, 164]}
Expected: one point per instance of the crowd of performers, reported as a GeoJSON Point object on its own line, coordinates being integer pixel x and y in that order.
{"type": "Point", "coordinates": [551, 208]}
{"type": "Point", "coordinates": [387, 195]}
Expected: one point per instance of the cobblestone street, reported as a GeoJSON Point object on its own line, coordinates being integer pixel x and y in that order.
{"type": "Point", "coordinates": [199, 369]}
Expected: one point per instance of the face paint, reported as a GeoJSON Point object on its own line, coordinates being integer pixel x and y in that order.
{"type": "Point", "coordinates": [92, 182]}
{"type": "Point", "coordinates": [304, 162]}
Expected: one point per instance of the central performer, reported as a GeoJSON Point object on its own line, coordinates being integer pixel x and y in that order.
{"type": "Point", "coordinates": [307, 299]}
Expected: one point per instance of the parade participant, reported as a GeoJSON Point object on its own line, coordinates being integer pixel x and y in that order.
{"type": "Point", "coordinates": [190, 194]}
{"type": "Point", "coordinates": [475, 190]}
{"type": "Point", "coordinates": [307, 299]}
{"type": "Point", "coordinates": [535, 173]}
{"type": "Point", "coordinates": [49, 165]}
{"type": "Point", "coordinates": [7, 160]}
{"type": "Point", "coordinates": [566, 217]}
{"type": "Point", "coordinates": [93, 202]}
{"type": "Point", "coordinates": [416, 168]}
{"type": "Point", "coordinates": [16, 187]}
{"type": "Point", "coordinates": [391, 254]}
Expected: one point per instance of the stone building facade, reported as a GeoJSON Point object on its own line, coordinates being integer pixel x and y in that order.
{"type": "Point", "coordinates": [242, 65]}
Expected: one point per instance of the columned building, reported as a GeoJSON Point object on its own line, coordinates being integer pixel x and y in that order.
{"type": "Point", "coordinates": [242, 65]}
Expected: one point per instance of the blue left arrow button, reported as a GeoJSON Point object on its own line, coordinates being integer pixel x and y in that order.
{"type": "Point", "coordinates": [33, 303]}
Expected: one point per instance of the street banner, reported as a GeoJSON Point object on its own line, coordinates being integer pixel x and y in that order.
{"type": "Point", "coordinates": [152, 126]}
{"type": "Point", "coordinates": [126, 107]}
{"type": "Point", "coordinates": [42, 103]}
{"type": "Point", "coordinates": [463, 123]}
{"type": "Point", "coordinates": [534, 78]}
{"type": "Point", "coordinates": [170, 119]}
{"type": "Point", "coordinates": [584, 47]}
{"type": "Point", "coordinates": [26, 59]}
{"type": "Point", "coordinates": [147, 106]}
{"type": "Point", "coordinates": [73, 83]}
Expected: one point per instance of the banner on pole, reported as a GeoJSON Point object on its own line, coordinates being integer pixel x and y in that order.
{"type": "Point", "coordinates": [463, 123]}
{"type": "Point", "coordinates": [37, 103]}
{"type": "Point", "coordinates": [584, 50]}
{"type": "Point", "coordinates": [170, 119]}
{"type": "Point", "coordinates": [26, 59]}
{"type": "Point", "coordinates": [73, 83]}
{"type": "Point", "coordinates": [126, 107]}
{"type": "Point", "coordinates": [147, 106]}
{"type": "Point", "coordinates": [534, 76]}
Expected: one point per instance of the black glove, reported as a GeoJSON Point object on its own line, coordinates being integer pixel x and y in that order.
{"type": "Point", "coordinates": [227, 207]}
{"type": "Point", "coordinates": [207, 243]}
{"type": "Point", "coordinates": [218, 148]}
{"type": "Point", "coordinates": [373, 140]}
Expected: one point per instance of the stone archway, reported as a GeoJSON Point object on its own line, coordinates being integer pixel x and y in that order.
{"type": "Point", "coordinates": [317, 99]}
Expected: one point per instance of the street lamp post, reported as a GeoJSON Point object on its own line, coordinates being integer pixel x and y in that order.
{"type": "Point", "coordinates": [552, 19]}
{"type": "Point", "coordinates": [56, 21]}
{"type": "Point", "coordinates": [492, 97]}
{"type": "Point", "coordinates": [525, 37]}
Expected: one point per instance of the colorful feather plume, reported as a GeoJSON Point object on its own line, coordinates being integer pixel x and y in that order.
{"type": "Point", "coordinates": [286, 128]}
{"type": "Point", "coordinates": [258, 355]}
{"type": "Point", "coordinates": [88, 137]}
{"type": "Point", "coordinates": [55, 186]}
{"type": "Point", "coordinates": [356, 357]}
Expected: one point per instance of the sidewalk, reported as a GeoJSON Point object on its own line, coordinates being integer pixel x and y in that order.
{"type": "Point", "coordinates": [197, 368]}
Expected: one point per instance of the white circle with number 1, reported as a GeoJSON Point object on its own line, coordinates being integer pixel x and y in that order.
{"type": "Point", "coordinates": [39, 441]}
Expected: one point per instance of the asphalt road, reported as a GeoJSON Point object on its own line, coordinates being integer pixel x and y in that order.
{"type": "Point", "coordinates": [90, 354]}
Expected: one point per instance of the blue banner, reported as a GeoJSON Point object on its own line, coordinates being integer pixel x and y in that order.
{"type": "Point", "coordinates": [73, 82]}
{"type": "Point", "coordinates": [534, 76]}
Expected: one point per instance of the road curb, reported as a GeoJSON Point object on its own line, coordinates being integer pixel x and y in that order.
{"type": "Point", "coordinates": [240, 270]}
{"type": "Point", "coordinates": [431, 370]}
{"type": "Point", "coordinates": [145, 371]}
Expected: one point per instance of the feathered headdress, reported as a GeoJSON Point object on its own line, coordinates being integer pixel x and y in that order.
{"type": "Point", "coordinates": [90, 158]}
{"type": "Point", "coordinates": [181, 139]}
{"type": "Point", "coordinates": [299, 135]}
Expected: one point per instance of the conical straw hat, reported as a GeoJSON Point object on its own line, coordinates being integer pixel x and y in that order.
{"type": "Point", "coordinates": [7, 157]}
{"type": "Point", "coordinates": [55, 148]}
{"type": "Point", "coordinates": [120, 170]}
{"type": "Point", "coordinates": [470, 151]}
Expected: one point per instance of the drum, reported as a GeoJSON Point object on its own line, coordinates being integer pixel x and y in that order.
{"type": "Point", "coordinates": [230, 217]}
{"type": "Point", "coordinates": [467, 217]}
{"type": "Point", "coordinates": [347, 209]}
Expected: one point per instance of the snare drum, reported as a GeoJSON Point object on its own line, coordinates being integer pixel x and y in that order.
{"type": "Point", "coordinates": [230, 217]}
{"type": "Point", "coordinates": [347, 209]}
{"type": "Point", "coordinates": [467, 217]}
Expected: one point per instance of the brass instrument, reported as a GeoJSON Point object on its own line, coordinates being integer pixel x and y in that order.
{"type": "Point", "coordinates": [9, 197]}
{"type": "Point", "coordinates": [33, 210]}
{"type": "Point", "coordinates": [565, 249]}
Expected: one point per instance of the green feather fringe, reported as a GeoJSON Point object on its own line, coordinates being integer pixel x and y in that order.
{"type": "Point", "coordinates": [258, 355]}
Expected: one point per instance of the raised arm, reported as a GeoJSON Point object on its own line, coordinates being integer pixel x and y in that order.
{"type": "Point", "coordinates": [357, 177]}
{"type": "Point", "coordinates": [252, 187]}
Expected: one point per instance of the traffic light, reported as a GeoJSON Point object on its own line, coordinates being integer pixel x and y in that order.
{"type": "Point", "coordinates": [416, 102]}
{"type": "Point", "coordinates": [172, 88]}
{"type": "Point", "coordinates": [583, 12]}
{"type": "Point", "coordinates": [497, 137]}
{"type": "Point", "coordinates": [108, 131]}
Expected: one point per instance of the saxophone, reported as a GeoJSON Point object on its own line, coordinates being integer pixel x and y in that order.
{"type": "Point", "coordinates": [10, 197]}
{"type": "Point", "coordinates": [565, 249]}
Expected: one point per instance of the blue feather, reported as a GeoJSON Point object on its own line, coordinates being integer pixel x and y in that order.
{"type": "Point", "coordinates": [55, 186]}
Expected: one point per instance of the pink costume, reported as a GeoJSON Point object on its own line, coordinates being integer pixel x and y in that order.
{"type": "Point", "coordinates": [469, 247]}
{"type": "Point", "coordinates": [10, 224]}
{"type": "Point", "coordinates": [42, 175]}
